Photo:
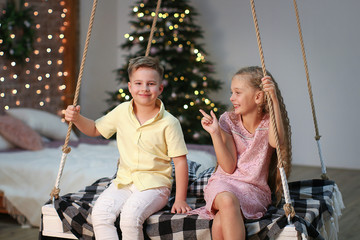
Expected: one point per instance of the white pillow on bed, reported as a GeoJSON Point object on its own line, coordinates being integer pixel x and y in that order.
{"type": "Point", "coordinates": [45, 123]}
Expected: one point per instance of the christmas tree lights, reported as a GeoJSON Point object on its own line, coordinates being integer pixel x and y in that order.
{"type": "Point", "coordinates": [188, 74]}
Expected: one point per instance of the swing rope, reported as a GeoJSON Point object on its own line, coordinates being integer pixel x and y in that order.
{"type": "Point", "coordinates": [317, 135]}
{"type": "Point", "coordinates": [65, 149]}
{"type": "Point", "coordinates": [288, 208]}
{"type": "Point", "coordinates": [153, 28]}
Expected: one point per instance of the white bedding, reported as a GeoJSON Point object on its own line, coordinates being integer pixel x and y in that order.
{"type": "Point", "coordinates": [27, 177]}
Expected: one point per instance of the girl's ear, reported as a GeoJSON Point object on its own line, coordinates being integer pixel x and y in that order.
{"type": "Point", "coordinates": [259, 97]}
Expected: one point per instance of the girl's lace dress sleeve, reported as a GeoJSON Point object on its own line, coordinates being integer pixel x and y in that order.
{"type": "Point", "coordinates": [225, 122]}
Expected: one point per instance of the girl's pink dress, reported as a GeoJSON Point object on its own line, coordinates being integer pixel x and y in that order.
{"type": "Point", "coordinates": [249, 181]}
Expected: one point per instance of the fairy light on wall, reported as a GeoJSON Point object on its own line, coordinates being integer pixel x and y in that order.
{"type": "Point", "coordinates": [39, 80]}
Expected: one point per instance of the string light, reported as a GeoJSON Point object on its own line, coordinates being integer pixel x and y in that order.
{"type": "Point", "coordinates": [20, 78]}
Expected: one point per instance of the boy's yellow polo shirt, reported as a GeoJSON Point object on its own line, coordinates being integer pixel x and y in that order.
{"type": "Point", "coordinates": [145, 150]}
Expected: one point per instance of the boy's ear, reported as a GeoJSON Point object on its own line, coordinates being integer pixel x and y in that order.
{"type": "Point", "coordinates": [161, 88]}
{"type": "Point", "coordinates": [129, 86]}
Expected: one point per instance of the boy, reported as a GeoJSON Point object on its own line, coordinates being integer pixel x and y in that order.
{"type": "Point", "coordinates": [148, 137]}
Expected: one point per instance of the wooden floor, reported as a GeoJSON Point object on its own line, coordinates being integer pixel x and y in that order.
{"type": "Point", "coordinates": [348, 182]}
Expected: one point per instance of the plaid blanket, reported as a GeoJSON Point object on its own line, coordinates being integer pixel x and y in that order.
{"type": "Point", "coordinates": [312, 200]}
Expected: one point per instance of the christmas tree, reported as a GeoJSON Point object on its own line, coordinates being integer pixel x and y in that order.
{"type": "Point", "coordinates": [188, 77]}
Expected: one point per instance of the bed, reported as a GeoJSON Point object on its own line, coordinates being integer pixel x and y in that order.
{"type": "Point", "coordinates": [27, 175]}
{"type": "Point", "coordinates": [30, 153]}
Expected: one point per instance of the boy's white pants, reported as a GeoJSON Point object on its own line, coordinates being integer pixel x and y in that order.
{"type": "Point", "coordinates": [133, 206]}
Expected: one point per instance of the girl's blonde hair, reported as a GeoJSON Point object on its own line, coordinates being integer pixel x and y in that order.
{"type": "Point", "coordinates": [274, 179]}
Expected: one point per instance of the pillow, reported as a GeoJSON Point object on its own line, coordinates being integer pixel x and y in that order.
{"type": "Point", "coordinates": [205, 159]}
{"type": "Point", "coordinates": [45, 123]}
{"type": "Point", "coordinates": [5, 145]}
{"type": "Point", "coordinates": [19, 134]}
{"type": "Point", "coordinates": [196, 188]}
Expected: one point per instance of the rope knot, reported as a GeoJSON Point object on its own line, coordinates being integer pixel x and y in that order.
{"type": "Point", "coordinates": [324, 176]}
{"type": "Point", "coordinates": [66, 149]}
{"type": "Point", "coordinates": [55, 193]}
{"type": "Point", "coordinates": [289, 210]}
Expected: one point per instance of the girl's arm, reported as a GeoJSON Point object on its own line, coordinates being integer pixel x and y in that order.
{"type": "Point", "coordinates": [223, 143]}
{"type": "Point", "coordinates": [269, 87]}
{"type": "Point", "coordinates": [85, 125]}
{"type": "Point", "coordinates": [181, 178]}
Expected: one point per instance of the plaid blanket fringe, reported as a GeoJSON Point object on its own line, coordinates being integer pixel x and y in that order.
{"type": "Point", "coordinates": [316, 202]}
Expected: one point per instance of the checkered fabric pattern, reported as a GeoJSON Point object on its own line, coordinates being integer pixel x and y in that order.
{"type": "Point", "coordinates": [312, 200]}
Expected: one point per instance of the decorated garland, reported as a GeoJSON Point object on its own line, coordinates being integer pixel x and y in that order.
{"type": "Point", "coordinates": [16, 32]}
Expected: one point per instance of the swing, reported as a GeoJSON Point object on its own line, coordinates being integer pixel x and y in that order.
{"type": "Point", "coordinates": [287, 219]}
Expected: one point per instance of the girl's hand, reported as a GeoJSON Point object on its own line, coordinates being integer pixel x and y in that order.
{"type": "Point", "coordinates": [72, 113]}
{"type": "Point", "coordinates": [209, 123]}
{"type": "Point", "coordinates": [269, 87]}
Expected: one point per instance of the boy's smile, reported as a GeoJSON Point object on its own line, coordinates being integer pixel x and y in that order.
{"type": "Point", "coordinates": [145, 86]}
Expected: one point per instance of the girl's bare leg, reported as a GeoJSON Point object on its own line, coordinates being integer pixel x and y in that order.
{"type": "Point", "coordinates": [216, 230]}
{"type": "Point", "coordinates": [228, 222]}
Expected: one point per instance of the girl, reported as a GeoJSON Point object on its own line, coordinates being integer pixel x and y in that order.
{"type": "Point", "coordinates": [244, 143]}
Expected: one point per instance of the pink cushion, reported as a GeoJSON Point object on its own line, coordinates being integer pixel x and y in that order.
{"type": "Point", "coordinates": [19, 134]}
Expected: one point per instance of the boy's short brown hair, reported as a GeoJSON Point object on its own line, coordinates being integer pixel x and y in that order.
{"type": "Point", "coordinates": [145, 61]}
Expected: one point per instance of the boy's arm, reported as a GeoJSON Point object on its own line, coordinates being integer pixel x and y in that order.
{"type": "Point", "coordinates": [85, 125]}
{"type": "Point", "coordinates": [181, 178]}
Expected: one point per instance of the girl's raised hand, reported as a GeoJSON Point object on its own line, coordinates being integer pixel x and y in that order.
{"type": "Point", "coordinates": [269, 87]}
{"type": "Point", "coordinates": [209, 122]}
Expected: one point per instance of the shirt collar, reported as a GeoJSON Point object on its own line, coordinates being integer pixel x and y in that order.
{"type": "Point", "coordinates": [158, 116]}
